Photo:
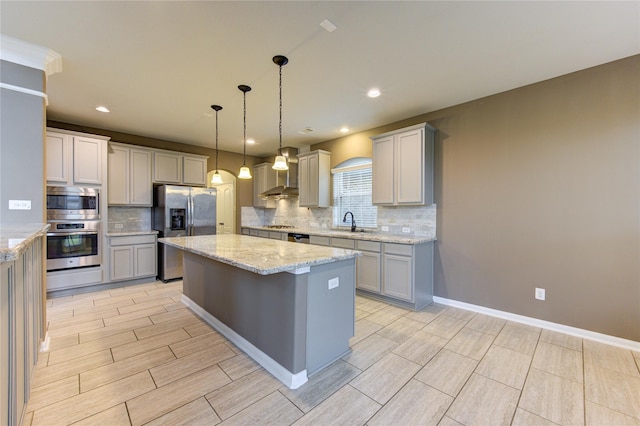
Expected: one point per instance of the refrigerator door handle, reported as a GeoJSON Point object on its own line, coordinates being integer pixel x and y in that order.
{"type": "Point", "coordinates": [190, 216]}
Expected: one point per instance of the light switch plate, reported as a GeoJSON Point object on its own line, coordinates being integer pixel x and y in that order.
{"type": "Point", "coordinates": [19, 204]}
{"type": "Point", "coordinates": [406, 229]}
{"type": "Point", "coordinates": [384, 228]}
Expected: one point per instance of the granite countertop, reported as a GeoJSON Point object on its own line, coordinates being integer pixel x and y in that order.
{"type": "Point", "coordinates": [384, 237]}
{"type": "Point", "coordinates": [259, 255]}
{"type": "Point", "coordinates": [130, 233]}
{"type": "Point", "coordinates": [15, 239]}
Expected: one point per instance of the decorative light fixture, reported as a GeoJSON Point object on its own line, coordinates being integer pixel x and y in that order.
{"type": "Point", "coordinates": [216, 178]}
{"type": "Point", "coordinates": [281, 161]}
{"type": "Point", "coordinates": [245, 173]}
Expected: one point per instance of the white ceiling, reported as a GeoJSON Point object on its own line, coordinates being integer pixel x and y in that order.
{"type": "Point", "coordinates": [160, 65]}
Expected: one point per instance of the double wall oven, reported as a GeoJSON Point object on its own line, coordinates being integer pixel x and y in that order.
{"type": "Point", "coordinates": [74, 237]}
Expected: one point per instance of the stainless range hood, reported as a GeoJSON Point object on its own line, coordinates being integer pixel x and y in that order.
{"type": "Point", "coordinates": [287, 183]}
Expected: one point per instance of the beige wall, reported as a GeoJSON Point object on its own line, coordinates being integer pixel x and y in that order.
{"type": "Point", "coordinates": [540, 187]}
{"type": "Point", "coordinates": [231, 161]}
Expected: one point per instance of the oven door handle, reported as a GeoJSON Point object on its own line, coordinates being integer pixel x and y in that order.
{"type": "Point", "coordinates": [62, 234]}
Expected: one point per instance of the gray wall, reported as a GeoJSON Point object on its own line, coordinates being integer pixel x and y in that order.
{"type": "Point", "coordinates": [540, 187]}
{"type": "Point", "coordinates": [21, 144]}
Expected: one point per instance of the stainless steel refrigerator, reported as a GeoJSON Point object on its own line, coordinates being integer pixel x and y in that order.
{"type": "Point", "coordinates": [181, 211]}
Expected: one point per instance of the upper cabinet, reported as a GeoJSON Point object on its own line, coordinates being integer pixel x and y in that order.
{"type": "Point", "coordinates": [264, 178]}
{"type": "Point", "coordinates": [314, 178]}
{"type": "Point", "coordinates": [174, 167]}
{"type": "Point", "coordinates": [129, 172]}
{"type": "Point", "coordinates": [403, 166]}
{"type": "Point", "coordinates": [74, 158]}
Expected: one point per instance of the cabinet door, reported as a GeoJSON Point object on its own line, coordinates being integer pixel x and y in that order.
{"type": "Point", "coordinates": [118, 175]}
{"type": "Point", "coordinates": [409, 167]}
{"type": "Point", "coordinates": [398, 277]}
{"type": "Point", "coordinates": [140, 184]}
{"type": "Point", "coordinates": [87, 161]}
{"type": "Point", "coordinates": [195, 171]}
{"type": "Point", "coordinates": [264, 177]}
{"type": "Point", "coordinates": [57, 158]}
{"type": "Point", "coordinates": [368, 271]}
{"type": "Point", "coordinates": [312, 180]}
{"type": "Point", "coordinates": [167, 167]}
{"type": "Point", "coordinates": [121, 262]}
{"type": "Point", "coordinates": [382, 171]}
{"type": "Point", "coordinates": [145, 260]}
{"type": "Point", "coordinates": [303, 181]}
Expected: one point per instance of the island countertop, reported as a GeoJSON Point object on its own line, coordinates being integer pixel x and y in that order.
{"type": "Point", "coordinates": [15, 239]}
{"type": "Point", "coordinates": [259, 255]}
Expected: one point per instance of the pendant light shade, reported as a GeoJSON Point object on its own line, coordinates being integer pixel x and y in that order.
{"type": "Point", "coordinates": [216, 179]}
{"type": "Point", "coordinates": [245, 173]}
{"type": "Point", "coordinates": [281, 161]}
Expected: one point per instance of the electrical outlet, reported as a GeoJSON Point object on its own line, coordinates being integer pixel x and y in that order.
{"type": "Point", "coordinates": [118, 226]}
{"type": "Point", "coordinates": [19, 204]}
{"type": "Point", "coordinates": [406, 229]}
{"type": "Point", "coordinates": [540, 293]}
{"type": "Point", "coordinates": [333, 283]}
{"type": "Point", "coordinates": [384, 228]}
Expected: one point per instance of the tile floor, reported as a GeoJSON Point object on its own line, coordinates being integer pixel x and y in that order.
{"type": "Point", "coordinates": [135, 355]}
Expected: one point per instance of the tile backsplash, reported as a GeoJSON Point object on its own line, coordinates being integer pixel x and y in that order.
{"type": "Point", "coordinates": [418, 220]}
{"type": "Point", "coordinates": [131, 219]}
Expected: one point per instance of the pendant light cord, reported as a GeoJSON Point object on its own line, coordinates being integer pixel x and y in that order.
{"type": "Point", "coordinates": [216, 140]}
{"type": "Point", "coordinates": [244, 128]}
{"type": "Point", "coordinates": [280, 121]}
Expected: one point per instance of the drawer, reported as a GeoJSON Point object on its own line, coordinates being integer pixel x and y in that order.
{"type": "Point", "coordinates": [245, 231]}
{"type": "Point", "coordinates": [132, 239]}
{"type": "Point", "coordinates": [253, 232]}
{"type": "Point", "coordinates": [368, 246]}
{"type": "Point", "coordinates": [401, 249]}
{"type": "Point", "coordinates": [343, 243]}
{"type": "Point", "coordinates": [275, 235]}
{"type": "Point", "coordinates": [263, 234]}
{"type": "Point", "coordinates": [319, 241]}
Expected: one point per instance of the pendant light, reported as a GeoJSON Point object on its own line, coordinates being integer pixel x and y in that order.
{"type": "Point", "coordinates": [281, 161]}
{"type": "Point", "coordinates": [245, 173]}
{"type": "Point", "coordinates": [216, 179]}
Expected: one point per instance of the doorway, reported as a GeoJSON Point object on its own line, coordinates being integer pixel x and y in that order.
{"type": "Point", "coordinates": [226, 202]}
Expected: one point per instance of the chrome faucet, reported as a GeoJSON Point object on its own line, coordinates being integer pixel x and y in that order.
{"type": "Point", "coordinates": [353, 221]}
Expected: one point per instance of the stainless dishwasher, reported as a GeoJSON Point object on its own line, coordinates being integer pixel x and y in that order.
{"type": "Point", "coordinates": [298, 238]}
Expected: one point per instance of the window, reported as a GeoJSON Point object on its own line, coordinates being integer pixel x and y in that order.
{"type": "Point", "coordinates": [352, 192]}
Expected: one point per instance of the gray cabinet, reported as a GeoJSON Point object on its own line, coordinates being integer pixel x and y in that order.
{"type": "Point", "coordinates": [368, 266]}
{"type": "Point", "coordinates": [314, 179]}
{"type": "Point", "coordinates": [21, 330]}
{"type": "Point", "coordinates": [401, 274]}
{"type": "Point", "coordinates": [264, 178]}
{"type": "Point", "coordinates": [129, 176]}
{"type": "Point", "coordinates": [74, 158]}
{"type": "Point", "coordinates": [402, 166]}
{"type": "Point", "coordinates": [178, 168]}
{"type": "Point", "coordinates": [132, 257]}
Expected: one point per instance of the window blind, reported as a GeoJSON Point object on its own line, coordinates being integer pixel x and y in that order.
{"type": "Point", "coordinates": [352, 186]}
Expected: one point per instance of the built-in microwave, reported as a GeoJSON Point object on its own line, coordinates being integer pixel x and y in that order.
{"type": "Point", "coordinates": [73, 203]}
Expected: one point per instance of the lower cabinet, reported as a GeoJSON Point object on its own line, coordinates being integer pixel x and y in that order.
{"type": "Point", "coordinates": [132, 257]}
{"type": "Point", "coordinates": [368, 266]}
{"type": "Point", "coordinates": [21, 330]}
{"type": "Point", "coordinates": [401, 274]}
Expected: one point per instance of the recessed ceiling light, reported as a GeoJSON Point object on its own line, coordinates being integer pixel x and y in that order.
{"type": "Point", "coordinates": [373, 93]}
{"type": "Point", "coordinates": [344, 130]}
{"type": "Point", "coordinates": [102, 109]}
{"type": "Point", "coordinates": [307, 130]}
{"type": "Point", "coordinates": [251, 141]}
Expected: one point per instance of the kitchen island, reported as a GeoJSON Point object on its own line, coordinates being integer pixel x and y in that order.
{"type": "Point", "coordinates": [291, 307]}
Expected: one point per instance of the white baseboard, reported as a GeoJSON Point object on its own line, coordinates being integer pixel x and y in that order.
{"type": "Point", "coordinates": [573, 331]}
{"type": "Point", "coordinates": [44, 345]}
{"type": "Point", "coordinates": [291, 380]}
